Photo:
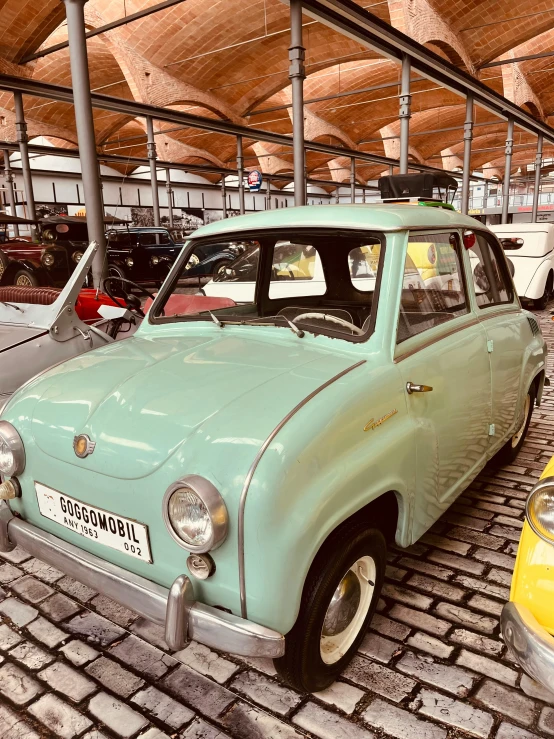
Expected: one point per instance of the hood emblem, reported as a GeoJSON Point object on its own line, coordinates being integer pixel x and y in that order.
{"type": "Point", "coordinates": [83, 446]}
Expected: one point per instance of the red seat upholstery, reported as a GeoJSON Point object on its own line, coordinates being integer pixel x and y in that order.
{"type": "Point", "coordinates": [183, 305]}
{"type": "Point", "coordinates": [31, 295]}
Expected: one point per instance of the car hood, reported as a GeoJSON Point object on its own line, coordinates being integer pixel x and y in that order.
{"type": "Point", "coordinates": [141, 399]}
{"type": "Point", "coordinates": [12, 334]}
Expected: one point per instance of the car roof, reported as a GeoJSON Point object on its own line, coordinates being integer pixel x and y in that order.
{"type": "Point", "coordinates": [377, 217]}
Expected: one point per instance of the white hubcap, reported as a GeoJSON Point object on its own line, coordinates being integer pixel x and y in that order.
{"type": "Point", "coordinates": [516, 438]}
{"type": "Point", "coordinates": [347, 610]}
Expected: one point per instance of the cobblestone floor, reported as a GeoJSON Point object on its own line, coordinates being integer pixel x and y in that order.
{"type": "Point", "coordinates": [433, 666]}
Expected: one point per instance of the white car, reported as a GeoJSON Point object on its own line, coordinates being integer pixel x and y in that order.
{"type": "Point", "coordinates": [529, 248]}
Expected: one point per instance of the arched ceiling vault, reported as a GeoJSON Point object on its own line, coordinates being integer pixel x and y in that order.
{"type": "Point", "coordinates": [228, 59]}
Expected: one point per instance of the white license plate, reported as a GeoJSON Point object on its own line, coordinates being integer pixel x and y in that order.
{"type": "Point", "coordinates": [94, 523]}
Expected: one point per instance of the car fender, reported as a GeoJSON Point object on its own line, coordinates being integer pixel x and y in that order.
{"type": "Point", "coordinates": [312, 479]}
{"type": "Point", "coordinates": [15, 265]}
{"type": "Point", "coordinates": [537, 280]}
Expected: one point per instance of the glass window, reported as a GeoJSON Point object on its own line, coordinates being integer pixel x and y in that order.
{"type": "Point", "coordinates": [151, 239]}
{"type": "Point", "coordinates": [363, 263]}
{"type": "Point", "coordinates": [311, 280]}
{"type": "Point", "coordinates": [433, 290]}
{"type": "Point", "coordinates": [297, 263]}
{"type": "Point", "coordinates": [491, 280]}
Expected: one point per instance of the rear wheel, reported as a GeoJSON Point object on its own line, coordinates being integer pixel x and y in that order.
{"type": "Point", "coordinates": [338, 602]}
{"type": "Point", "coordinates": [25, 278]}
{"type": "Point", "coordinates": [220, 266]}
{"type": "Point", "coordinates": [511, 448]}
{"type": "Point", "coordinates": [542, 302]}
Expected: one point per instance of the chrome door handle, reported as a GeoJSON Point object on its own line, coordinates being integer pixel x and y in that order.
{"type": "Point", "coordinates": [411, 388]}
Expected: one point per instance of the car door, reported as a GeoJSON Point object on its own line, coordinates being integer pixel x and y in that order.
{"type": "Point", "coordinates": [441, 352]}
{"type": "Point", "coordinates": [505, 326]}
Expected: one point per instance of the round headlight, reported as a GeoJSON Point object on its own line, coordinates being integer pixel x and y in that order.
{"type": "Point", "coordinates": [12, 452]}
{"type": "Point", "coordinates": [77, 256]}
{"type": "Point", "coordinates": [48, 259]}
{"type": "Point", "coordinates": [540, 509]}
{"type": "Point", "coordinates": [155, 260]}
{"type": "Point", "coordinates": [195, 514]}
{"type": "Point", "coordinates": [129, 262]}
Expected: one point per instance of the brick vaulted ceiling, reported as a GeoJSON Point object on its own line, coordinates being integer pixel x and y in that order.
{"type": "Point", "coordinates": [228, 59]}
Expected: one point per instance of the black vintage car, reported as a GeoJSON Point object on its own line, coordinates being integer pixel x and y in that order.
{"type": "Point", "coordinates": [145, 255]}
{"type": "Point", "coordinates": [62, 241]}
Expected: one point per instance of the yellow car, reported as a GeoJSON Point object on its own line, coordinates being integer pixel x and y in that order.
{"type": "Point", "coordinates": [528, 619]}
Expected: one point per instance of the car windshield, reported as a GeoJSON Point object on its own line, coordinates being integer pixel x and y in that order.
{"type": "Point", "coordinates": [317, 281]}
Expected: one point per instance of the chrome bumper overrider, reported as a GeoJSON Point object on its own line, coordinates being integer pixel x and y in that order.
{"type": "Point", "coordinates": [531, 644]}
{"type": "Point", "coordinates": [175, 609]}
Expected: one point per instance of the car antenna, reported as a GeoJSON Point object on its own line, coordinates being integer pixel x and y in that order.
{"type": "Point", "coordinates": [294, 328]}
{"type": "Point", "coordinates": [216, 320]}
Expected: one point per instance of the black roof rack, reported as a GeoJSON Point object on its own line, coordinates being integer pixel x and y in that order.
{"type": "Point", "coordinates": [423, 186]}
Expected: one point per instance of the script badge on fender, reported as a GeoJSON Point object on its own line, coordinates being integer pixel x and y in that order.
{"type": "Point", "coordinates": [372, 424]}
{"type": "Point", "coordinates": [83, 446]}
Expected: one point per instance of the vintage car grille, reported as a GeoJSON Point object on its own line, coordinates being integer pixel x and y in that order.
{"type": "Point", "coordinates": [534, 325]}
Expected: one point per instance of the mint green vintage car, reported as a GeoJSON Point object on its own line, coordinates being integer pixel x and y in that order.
{"type": "Point", "coordinates": [236, 469]}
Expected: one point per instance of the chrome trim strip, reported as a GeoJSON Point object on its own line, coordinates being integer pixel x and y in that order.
{"type": "Point", "coordinates": [435, 339]}
{"type": "Point", "coordinates": [531, 644]}
{"type": "Point", "coordinates": [545, 482]}
{"type": "Point", "coordinates": [176, 608]}
{"type": "Point", "coordinates": [498, 314]}
{"type": "Point", "coordinates": [252, 470]}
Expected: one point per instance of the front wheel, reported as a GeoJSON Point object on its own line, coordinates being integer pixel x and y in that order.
{"type": "Point", "coordinates": [24, 278]}
{"type": "Point", "coordinates": [511, 448]}
{"type": "Point", "coordinates": [339, 599]}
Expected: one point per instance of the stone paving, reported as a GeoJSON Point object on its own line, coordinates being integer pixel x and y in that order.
{"type": "Point", "coordinates": [433, 666]}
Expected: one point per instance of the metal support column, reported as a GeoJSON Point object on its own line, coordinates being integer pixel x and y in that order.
{"type": "Point", "coordinates": [297, 75]}
{"type": "Point", "coordinates": [352, 180]}
{"type": "Point", "coordinates": [169, 191]}
{"type": "Point", "coordinates": [268, 199]}
{"type": "Point", "coordinates": [80, 80]}
{"type": "Point", "coordinates": [224, 197]}
{"type": "Point", "coordinates": [240, 172]}
{"type": "Point", "coordinates": [337, 194]}
{"type": "Point", "coordinates": [468, 138]}
{"type": "Point", "coordinates": [22, 140]}
{"type": "Point", "coordinates": [538, 167]}
{"type": "Point", "coordinates": [8, 176]}
{"type": "Point", "coordinates": [405, 114]}
{"type": "Point", "coordinates": [507, 170]}
{"type": "Point", "coordinates": [151, 147]}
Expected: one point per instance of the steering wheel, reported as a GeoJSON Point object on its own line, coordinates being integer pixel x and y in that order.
{"type": "Point", "coordinates": [109, 293]}
{"type": "Point", "coordinates": [332, 319]}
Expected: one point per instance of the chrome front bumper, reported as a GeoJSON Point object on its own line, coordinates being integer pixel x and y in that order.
{"type": "Point", "coordinates": [175, 609]}
{"type": "Point", "coordinates": [531, 644]}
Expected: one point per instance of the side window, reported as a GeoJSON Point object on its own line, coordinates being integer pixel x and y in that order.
{"type": "Point", "coordinates": [147, 239]}
{"type": "Point", "coordinates": [491, 281]}
{"type": "Point", "coordinates": [299, 264]}
{"type": "Point", "coordinates": [363, 262]}
{"type": "Point", "coordinates": [433, 289]}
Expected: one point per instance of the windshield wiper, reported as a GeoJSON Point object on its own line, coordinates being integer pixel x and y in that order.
{"type": "Point", "coordinates": [294, 328]}
{"type": "Point", "coordinates": [216, 320]}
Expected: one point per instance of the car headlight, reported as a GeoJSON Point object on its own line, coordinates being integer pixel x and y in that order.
{"type": "Point", "coordinates": [48, 259]}
{"type": "Point", "coordinates": [129, 261]}
{"type": "Point", "coordinates": [193, 261]}
{"type": "Point", "coordinates": [195, 514]}
{"type": "Point", "coordinates": [12, 451]}
{"type": "Point", "coordinates": [540, 509]}
{"type": "Point", "coordinates": [77, 256]}
{"type": "Point", "coordinates": [155, 260]}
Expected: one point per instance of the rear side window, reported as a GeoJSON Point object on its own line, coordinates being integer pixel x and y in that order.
{"type": "Point", "coordinates": [433, 289]}
{"type": "Point", "coordinates": [491, 280]}
{"type": "Point", "coordinates": [364, 265]}
{"type": "Point", "coordinates": [297, 263]}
